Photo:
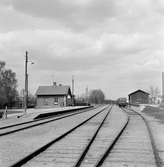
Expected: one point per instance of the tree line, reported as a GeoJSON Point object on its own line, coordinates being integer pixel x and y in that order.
{"type": "Point", "coordinates": [9, 95]}
{"type": "Point", "coordinates": [8, 86]}
{"type": "Point", "coordinates": [95, 96]}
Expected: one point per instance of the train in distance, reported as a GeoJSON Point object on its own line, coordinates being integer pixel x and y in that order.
{"type": "Point", "coordinates": [122, 102]}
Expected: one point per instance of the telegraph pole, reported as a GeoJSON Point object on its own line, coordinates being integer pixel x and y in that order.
{"type": "Point", "coordinates": [162, 87]}
{"type": "Point", "coordinates": [72, 91]}
{"type": "Point", "coordinates": [87, 95]}
{"type": "Point", "coordinates": [27, 91]}
{"type": "Point", "coordinates": [25, 96]}
{"type": "Point", "coordinates": [26, 82]}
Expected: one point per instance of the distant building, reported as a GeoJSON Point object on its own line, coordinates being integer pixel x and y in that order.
{"type": "Point", "coordinates": [53, 96]}
{"type": "Point", "coordinates": [139, 97]}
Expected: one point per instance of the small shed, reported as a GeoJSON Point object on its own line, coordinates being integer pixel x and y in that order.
{"type": "Point", "coordinates": [53, 96]}
{"type": "Point", "coordinates": [139, 97]}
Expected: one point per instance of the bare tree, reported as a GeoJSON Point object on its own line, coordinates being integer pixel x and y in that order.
{"type": "Point", "coordinates": [154, 94]}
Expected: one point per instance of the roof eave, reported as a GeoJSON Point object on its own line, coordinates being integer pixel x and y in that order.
{"type": "Point", "coordinates": [138, 91]}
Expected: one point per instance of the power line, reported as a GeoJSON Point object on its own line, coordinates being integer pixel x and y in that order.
{"type": "Point", "coordinates": [79, 87]}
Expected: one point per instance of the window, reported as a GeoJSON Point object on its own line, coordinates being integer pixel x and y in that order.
{"type": "Point", "coordinates": [45, 101]}
{"type": "Point", "coordinates": [55, 100]}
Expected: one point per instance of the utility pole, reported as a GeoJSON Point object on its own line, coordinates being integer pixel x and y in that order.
{"type": "Point", "coordinates": [162, 87]}
{"type": "Point", "coordinates": [72, 91]}
{"type": "Point", "coordinates": [87, 95]}
{"type": "Point", "coordinates": [25, 96]}
{"type": "Point", "coordinates": [27, 91]}
{"type": "Point", "coordinates": [26, 82]}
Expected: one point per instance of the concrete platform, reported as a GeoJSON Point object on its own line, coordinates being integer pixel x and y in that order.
{"type": "Point", "coordinates": [20, 116]}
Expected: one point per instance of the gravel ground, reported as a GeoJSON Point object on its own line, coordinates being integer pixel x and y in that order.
{"type": "Point", "coordinates": [17, 145]}
{"type": "Point", "coordinates": [155, 117]}
{"type": "Point", "coordinates": [12, 147]}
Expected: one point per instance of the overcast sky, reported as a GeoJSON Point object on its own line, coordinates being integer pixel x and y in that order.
{"type": "Point", "coordinates": [113, 45]}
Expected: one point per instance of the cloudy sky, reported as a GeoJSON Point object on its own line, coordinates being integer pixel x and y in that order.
{"type": "Point", "coordinates": [113, 45]}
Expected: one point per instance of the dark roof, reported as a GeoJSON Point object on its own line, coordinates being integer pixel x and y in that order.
{"type": "Point", "coordinates": [138, 91]}
{"type": "Point", "coordinates": [53, 90]}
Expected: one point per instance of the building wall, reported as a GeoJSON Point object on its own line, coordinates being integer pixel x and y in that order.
{"type": "Point", "coordinates": [49, 101]}
{"type": "Point", "coordinates": [69, 102]}
{"type": "Point", "coordinates": [139, 98]}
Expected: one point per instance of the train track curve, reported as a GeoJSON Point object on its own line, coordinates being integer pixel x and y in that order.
{"type": "Point", "coordinates": [111, 137]}
{"type": "Point", "coordinates": [63, 139]}
{"type": "Point", "coordinates": [135, 147]}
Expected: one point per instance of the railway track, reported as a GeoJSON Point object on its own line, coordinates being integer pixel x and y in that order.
{"type": "Point", "coordinates": [109, 138]}
{"type": "Point", "coordinates": [30, 124]}
{"type": "Point", "coordinates": [135, 147]}
{"type": "Point", "coordinates": [73, 142]}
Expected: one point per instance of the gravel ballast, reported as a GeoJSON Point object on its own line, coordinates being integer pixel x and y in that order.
{"type": "Point", "coordinates": [155, 118]}
{"type": "Point", "coordinates": [15, 146]}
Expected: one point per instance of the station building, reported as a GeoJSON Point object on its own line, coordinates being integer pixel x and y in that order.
{"type": "Point", "coordinates": [53, 96]}
{"type": "Point", "coordinates": [138, 97]}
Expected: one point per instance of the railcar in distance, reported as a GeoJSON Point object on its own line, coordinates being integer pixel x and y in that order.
{"type": "Point", "coordinates": [122, 102]}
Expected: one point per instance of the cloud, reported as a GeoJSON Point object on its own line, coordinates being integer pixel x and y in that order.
{"type": "Point", "coordinates": [63, 8]}
{"type": "Point", "coordinates": [124, 44]}
{"type": "Point", "coordinates": [59, 48]}
{"type": "Point", "coordinates": [159, 5]}
{"type": "Point", "coordinates": [81, 16]}
{"type": "Point", "coordinates": [62, 49]}
{"type": "Point", "coordinates": [78, 16]}
{"type": "Point", "coordinates": [111, 45]}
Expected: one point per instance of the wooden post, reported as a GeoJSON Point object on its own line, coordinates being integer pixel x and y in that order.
{"type": "Point", "coordinates": [5, 113]}
{"type": "Point", "coordinates": [72, 90]}
{"type": "Point", "coordinates": [25, 97]}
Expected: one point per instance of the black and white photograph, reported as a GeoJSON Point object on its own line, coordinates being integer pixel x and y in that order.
{"type": "Point", "coordinates": [81, 83]}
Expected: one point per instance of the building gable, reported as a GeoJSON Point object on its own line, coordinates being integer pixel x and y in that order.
{"type": "Point", "coordinates": [138, 96]}
{"type": "Point", "coordinates": [138, 91]}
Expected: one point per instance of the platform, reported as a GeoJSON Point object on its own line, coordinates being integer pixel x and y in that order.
{"type": "Point", "coordinates": [16, 116]}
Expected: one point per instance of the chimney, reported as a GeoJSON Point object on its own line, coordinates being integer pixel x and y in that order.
{"type": "Point", "coordinates": [54, 84]}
